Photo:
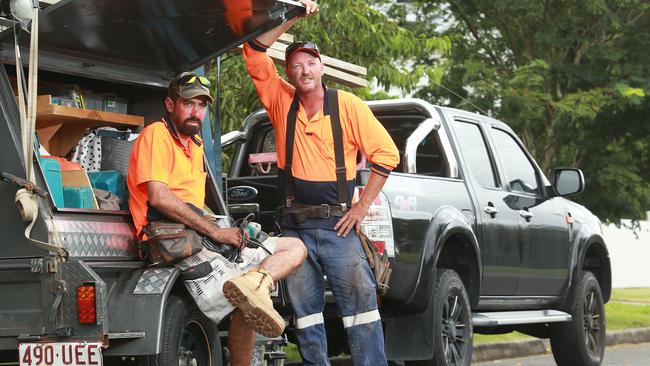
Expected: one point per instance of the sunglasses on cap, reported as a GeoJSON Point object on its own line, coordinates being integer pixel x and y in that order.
{"type": "Point", "coordinates": [191, 79]}
{"type": "Point", "coordinates": [304, 45]}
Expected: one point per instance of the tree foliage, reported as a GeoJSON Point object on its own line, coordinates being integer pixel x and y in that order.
{"type": "Point", "coordinates": [350, 30]}
{"type": "Point", "coordinates": [570, 77]}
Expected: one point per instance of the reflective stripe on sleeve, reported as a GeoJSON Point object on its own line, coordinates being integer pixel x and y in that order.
{"type": "Point", "coordinates": [309, 320]}
{"type": "Point", "coordinates": [359, 319]}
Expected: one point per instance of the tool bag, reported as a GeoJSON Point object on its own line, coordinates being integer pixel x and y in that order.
{"type": "Point", "coordinates": [378, 262]}
{"type": "Point", "coordinates": [169, 242]}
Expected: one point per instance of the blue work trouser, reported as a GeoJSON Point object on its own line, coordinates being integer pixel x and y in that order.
{"type": "Point", "coordinates": [344, 263]}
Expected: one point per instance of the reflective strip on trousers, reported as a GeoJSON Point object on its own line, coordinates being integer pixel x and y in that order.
{"type": "Point", "coordinates": [363, 318]}
{"type": "Point", "coordinates": [309, 320]}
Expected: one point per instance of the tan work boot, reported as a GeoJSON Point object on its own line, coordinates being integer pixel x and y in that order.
{"type": "Point", "coordinates": [251, 293]}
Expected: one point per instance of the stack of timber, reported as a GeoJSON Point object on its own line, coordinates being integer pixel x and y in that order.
{"type": "Point", "coordinates": [336, 70]}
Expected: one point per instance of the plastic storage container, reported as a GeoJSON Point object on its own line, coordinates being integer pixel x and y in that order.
{"type": "Point", "coordinates": [78, 197]}
{"type": "Point", "coordinates": [112, 181]}
{"type": "Point", "coordinates": [52, 171]}
{"type": "Point", "coordinates": [115, 104]}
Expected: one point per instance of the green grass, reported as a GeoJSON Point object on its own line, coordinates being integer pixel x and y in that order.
{"type": "Point", "coordinates": [495, 338]}
{"type": "Point", "coordinates": [631, 294]}
{"type": "Point", "coordinates": [624, 316]}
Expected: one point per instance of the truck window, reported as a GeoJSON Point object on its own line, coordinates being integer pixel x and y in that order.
{"type": "Point", "coordinates": [262, 159]}
{"type": "Point", "coordinates": [472, 144]}
{"type": "Point", "coordinates": [519, 172]}
{"type": "Point", "coordinates": [428, 159]}
{"type": "Point", "coordinates": [399, 128]}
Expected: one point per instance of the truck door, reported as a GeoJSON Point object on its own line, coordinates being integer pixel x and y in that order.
{"type": "Point", "coordinates": [498, 223]}
{"type": "Point", "coordinates": [544, 230]}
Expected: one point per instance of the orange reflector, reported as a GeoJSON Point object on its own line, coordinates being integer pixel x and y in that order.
{"type": "Point", "coordinates": [569, 219]}
{"type": "Point", "coordinates": [86, 312]}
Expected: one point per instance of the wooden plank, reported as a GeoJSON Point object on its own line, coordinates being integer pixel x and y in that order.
{"type": "Point", "coordinates": [286, 38]}
{"type": "Point", "coordinates": [338, 76]}
{"type": "Point", "coordinates": [329, 61]}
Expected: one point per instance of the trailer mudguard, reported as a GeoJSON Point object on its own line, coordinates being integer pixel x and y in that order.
{"type": "Point", "coordinates": [137, 305]}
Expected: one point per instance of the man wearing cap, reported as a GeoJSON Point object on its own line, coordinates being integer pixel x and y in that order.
{"type": "Point", "coordinates": [166, 181]}
{"type": "Point", "coordinates": [312, 207]}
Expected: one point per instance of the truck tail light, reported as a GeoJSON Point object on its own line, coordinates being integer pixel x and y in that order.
{"type": "Point", "coordinates": [86, 310]}
{"type": "Point", "coordinates": [378, 225]}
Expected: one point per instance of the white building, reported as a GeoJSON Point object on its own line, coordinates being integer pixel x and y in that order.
{"type": "Point", "coordinates": [629, 254]}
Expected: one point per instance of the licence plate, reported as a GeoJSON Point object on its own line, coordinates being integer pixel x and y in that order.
{"type": "Point", "coordinates": [60, 354]}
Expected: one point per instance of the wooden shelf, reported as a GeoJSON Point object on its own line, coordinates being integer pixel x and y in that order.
{"type": "Point", "coordinates": [60, 127]}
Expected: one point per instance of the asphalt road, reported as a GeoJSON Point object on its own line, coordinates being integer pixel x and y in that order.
{"type": "Point", "coordinates": [622, 355]}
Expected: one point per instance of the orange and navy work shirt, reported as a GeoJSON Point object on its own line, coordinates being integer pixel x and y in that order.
{"type": "Point", "coordinates": [313, 165]}
{"type": "Point", "coordinates": [159, 155]}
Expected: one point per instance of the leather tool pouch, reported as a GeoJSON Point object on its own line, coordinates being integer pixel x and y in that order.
{"type": "Point", "coordinates": [170, 242]}
{"type": "Point", "coordinates": [378, 263]}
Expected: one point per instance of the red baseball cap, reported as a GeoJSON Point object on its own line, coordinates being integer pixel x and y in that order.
{"type": "Point", "coordinates": [303, 46]}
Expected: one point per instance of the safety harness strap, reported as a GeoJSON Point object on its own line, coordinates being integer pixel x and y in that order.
{"type": "Point", "coordinates": [332, 108]}
{"type": "Point", "coordinates": [290, 134]}
{"type": "Point", "coordinates": [337, 133]}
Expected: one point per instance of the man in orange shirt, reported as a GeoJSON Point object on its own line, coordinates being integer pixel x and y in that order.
{"type": "Point", "coordinates": [166, 181]}
{"type": "Point", "coordinates": [314, 207]}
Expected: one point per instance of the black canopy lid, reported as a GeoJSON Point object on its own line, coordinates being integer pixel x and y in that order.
{"type": "Point", "coordinates": [160, 37]}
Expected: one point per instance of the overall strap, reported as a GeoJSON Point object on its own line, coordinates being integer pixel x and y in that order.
{"type": "Point", "coordinates": [339, 157]}
{"type": "Point", "coordinates": [290, 134]}
{"type": "Point", "coordinates": [337, 134]}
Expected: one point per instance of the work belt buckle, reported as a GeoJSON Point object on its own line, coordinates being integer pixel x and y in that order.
{"type": "Point", "coordinates": [328, 210]}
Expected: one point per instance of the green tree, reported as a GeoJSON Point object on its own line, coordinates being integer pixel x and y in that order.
{"type": "Point", "coordinates": [350, 30]}
{"type": "Point", "coordinates": [570, 77]}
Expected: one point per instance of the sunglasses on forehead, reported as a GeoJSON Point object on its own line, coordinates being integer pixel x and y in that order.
{"type": "Point", "coordinates": [191, 79]}
{"type": "Point", "coordinates": [298, 45]}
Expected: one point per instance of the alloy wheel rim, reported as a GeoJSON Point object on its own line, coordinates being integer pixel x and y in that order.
{"type": "Point", "coordinates": [193, 346]}
{"type": "Point", "coordinates": [592, 315]}
{"type": "Point", "coordinates": [454, 330]}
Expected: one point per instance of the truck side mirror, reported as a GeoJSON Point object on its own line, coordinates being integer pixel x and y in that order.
{"type": "Point", "coordinates": [568, 181]}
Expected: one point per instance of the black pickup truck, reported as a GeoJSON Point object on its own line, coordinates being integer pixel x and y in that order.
{"type": "Point", "coordinates": [479, 240]}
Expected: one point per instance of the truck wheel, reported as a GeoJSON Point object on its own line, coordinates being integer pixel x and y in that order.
{"type": "Point", "coordinates": [452, 327]}
{"type": "Point", "coordinates": [581, 342]}
{"type": "Point", "coordinates": [188, 337]}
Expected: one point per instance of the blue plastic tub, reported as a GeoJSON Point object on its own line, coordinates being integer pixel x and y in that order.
{"type": "Point", "coordinates": [78, 197]}
{"type": "Point", "coordinates": [52, 171]}
{"type": "Point", "coordinates": [112, 181]}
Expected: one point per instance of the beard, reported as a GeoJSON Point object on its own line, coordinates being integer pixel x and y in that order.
{"type": "Point", "coordinates": [190, 129]}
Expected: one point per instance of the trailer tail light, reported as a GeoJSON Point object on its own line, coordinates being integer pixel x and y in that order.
{"type": "Point", "coordinates": [86, 310]}
{"type": "Point", "coordinates": [378, 225]}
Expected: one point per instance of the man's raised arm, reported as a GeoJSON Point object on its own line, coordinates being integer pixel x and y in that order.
{"type": "Point", "coordinates": [271, 36]}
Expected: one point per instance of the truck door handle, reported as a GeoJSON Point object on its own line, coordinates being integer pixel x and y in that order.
{"type": "Point", "coordinates": [490, 210]}
{"type": "Point", "coordinates": [526, 214]}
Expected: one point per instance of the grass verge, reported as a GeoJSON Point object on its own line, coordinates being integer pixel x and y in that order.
{"type": "Point", "coordinates": [640, 295]}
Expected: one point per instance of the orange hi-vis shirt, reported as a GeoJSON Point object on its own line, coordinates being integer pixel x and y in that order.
{"type": "Point", "coordinates": [159, 155]}
{"type": "Point", "coordinates": [313, 156]}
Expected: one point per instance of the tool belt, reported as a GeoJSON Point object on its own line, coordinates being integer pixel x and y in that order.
{"type": "Point", "coordinates": [300, 212]}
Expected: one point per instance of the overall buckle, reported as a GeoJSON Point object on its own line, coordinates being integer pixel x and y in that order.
{"type": "Point", "coordinates": [328, 210]}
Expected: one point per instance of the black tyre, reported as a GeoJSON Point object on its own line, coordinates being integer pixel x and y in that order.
{"type": "Point", "coordinates": [188, 337]}
{"type": "Point", "coordinates": [581, 342]}
{"type": "Point", "coordinates": [452, 327]}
